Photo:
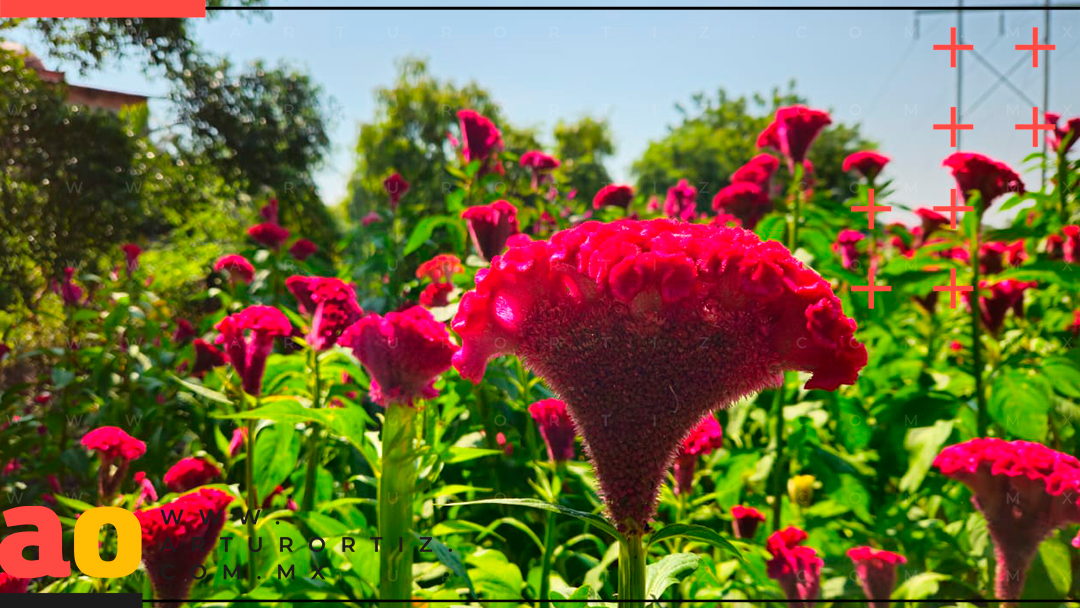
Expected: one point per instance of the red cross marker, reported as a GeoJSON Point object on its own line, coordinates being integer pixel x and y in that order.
{"type": "Point", "coordinates": [1035, 127]}
{"type": "Point", "coordinates": [872, 209]}
{"type": "Point", "coordinates": [953, 127]}
{"type": "Point", "coordinates": [952, 208]}
{"type": "Point", "coordinates": [1035, 47]}
{"type": "Point", "coordinates": [871, 288]}
{"type": "Point", "coordinates": [953, 287]}
{"type": "Point", "coordinates": [952, 47]}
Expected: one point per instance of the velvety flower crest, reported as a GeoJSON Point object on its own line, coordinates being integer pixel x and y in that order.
{"type": "Point", "coordinates": [796, 567]}
{"type": "Point", "coordinates": [490, 226]}
{"type": "Point", "coordinates": [745, 521]}
{"type": "Point", "coordinates": [876, 570]}
{"type": "Point", "coordinates": [614, 195]}
{"type": "Point", "coordinates": [189, 474]}
{"type": "Point", "coordinates": [556, 428]}
{"type": "Point", "coordinates": [269, 234]}
{"type": "Point", "coordinates": [792, 131]}
{"type": "Point", "coordinates": [979, 173]}
{"type": "Point", "coordinates": [745, 201]}
{"type": "Point", "coordinates": [866, 163]}
{"type": "Point", "coordinates": [239, 269]}
{"type": "Point", "coordinates": [247, 338]}
{"type": "Point", "coordinates": [329, 303]}
{"type": "Point", "coordinates": [303, 249]}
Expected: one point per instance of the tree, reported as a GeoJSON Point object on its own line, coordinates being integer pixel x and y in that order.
{"type": "Point", "coordinates": [583, 146]}
{"type": "Point", "coordinates": [717, 135]}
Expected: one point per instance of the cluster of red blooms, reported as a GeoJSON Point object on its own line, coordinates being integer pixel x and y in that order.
{"type": "Point", "coordinates": [440, 270]}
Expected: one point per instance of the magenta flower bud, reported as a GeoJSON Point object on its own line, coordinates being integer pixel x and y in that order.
{"type": "Point", "coordinates": [795, 567]}
{"type": "Point", "coordinates": [556, 428]}
{"type": "Point", "coordinates": [745, 521]}
{"type": "Point", "coordinates": [702, 440]}
{"type": "Point", "coordinates": [490, 226]}
{"type": "Point", "coordinates": [866, 163]}
{"type": "Point", "coordinates": [395, 187]}
{"type": "Point", "coordinates": [877, 573]}
{"type": "Point", "coordinates": [248, 338]}
{"type": "Point", "coordinates": [115, 448]}
{"type": "Point", "coordinates": [239, 269]}
{"type": "Point", "coordinates": [330, 304]}
{"type": "Point", "coordinates": [847, 245]}
{"type": "Point", "coordinates": [681, 201]}
{"type": "Point", "coordinates": [269, 234]}
{"type": "Point", "coordinates": [613, 195]}
{"type": "Point", "coordinates": [746, 201]}
{"type": "Point", "coordinates": [189, 474]}
{"type": "Point", "coordinates": [792, 131]}
{"type": "Point", "coordinates": [131, 255]}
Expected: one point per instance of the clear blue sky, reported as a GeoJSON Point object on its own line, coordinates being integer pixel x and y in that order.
{"type": "Point", "coordinates": [633, 66]}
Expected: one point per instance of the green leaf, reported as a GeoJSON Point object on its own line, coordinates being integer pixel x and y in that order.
{"type": "Point", "coordinates": [698, 533]}
{"type": "Point", "coordinates": [276, 454]}
{"type": "Point", "coordinates": [1020, 402]}
{"type": "Point", "coordinates": [423, 230]}
{"type": "Point", "coordinates": [347, 422]}
{"type": "Point", "coordinates": [201, 390]}
{"type": "Point", "coordinates": [923, 445]}
{"type": "Point", "coordinates": [1063, 376]}
{"type": "Point", "coordinates": [583, 592]}
{"type": "Point", "coordinates": [591, 518]}
{"type": "Point", "coordinates": [667, 572]}
{"type": "Point", "coordinates": [449, 559]}
{"type": "Point", "coordinates": [494, 575]}
{"type": "Point", "coordinates": [920, 586]}
{"type": "Point", "coordinates": [1058, 563]}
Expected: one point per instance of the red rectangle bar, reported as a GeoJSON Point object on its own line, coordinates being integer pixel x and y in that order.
{"type": "Point", "coordinates": [102, 8]}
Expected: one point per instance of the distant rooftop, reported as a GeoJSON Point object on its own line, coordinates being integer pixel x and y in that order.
{"type": "Point", "coordinates": [103, 99]}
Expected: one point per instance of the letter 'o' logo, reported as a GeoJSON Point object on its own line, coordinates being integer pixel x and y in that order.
{"type": "Point", "coordinates": [128, 542]}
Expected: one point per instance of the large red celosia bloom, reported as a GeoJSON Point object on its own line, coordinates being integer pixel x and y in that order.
{"type": "Point", "coordinates": [540, 165]}
{"type": "Point", "coordinates": [982, 174]}
{"type": "Point", "coordinates": [237, 266]}
{"type": "Point", "coordinates": [490, 226]}
{"type": "Point", "coordinates": [1066, 135]}
{"type": "Point", "coordinates": [745, 521]}
{"type": "Point", "coordinates": [867, 163]}
{"type": "Point", "coordinates": [248, 353]}
{"type": "Point", "coordinates": [703, 439]}
{"type": "Point", "coordinates": [403, 352]}
{"type": "Point", "coordinates": [792, 131]}
{"type": "Point", "coordinates": [613, 195]}
{"type": "Point", "coordinates": [189, 474]}
{"type": "Point", "coordinates": [556, 428]}
{"type": "Point", "coordinates": [131, 257]}
{"type": "Point", "coordinates": [1004, 295]}
{"type": "Point", "coordinates": [303, 249]}
{"type": "Point", "coordinates": [745, 201]}
{"type": "Point", "coordinates": [440, 268]}
{"type": "Point", "coordinates": [116, 449]}
{"type": "Point", "coordinates": [329, 304]}
{"type": "Point", "coordinates": [681, 201]}
{"type": "Point", "coordinates": [481, 140]}
{"type": "Point", "coordinates": [759, 170]}
{"type": "Point", "coordinates": [269, 234]}
{"type": "Point", "coordinates": [643, 327]}
{"type": "Point", "coordinates": [1024, 489]}
{"type": "Point", "coordinates": [207, 357]}
{"type": "Point", "coordinates": [395, 187]}
{"type": "Point", "coordinates": [877, 573]}
{"type": "Point", "coordinates": [178, 536]}
{"type": "Point", "coordinates": [12, 584]}
{"type": "Point", "coordinates": [795, 567]}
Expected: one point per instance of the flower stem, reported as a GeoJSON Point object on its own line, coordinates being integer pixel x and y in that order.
{"type": "Point", "coordinates": [779, 473]}
{"type": "Point", "coordinates": [252, 495]}
{"type": "Point", "coordinates": [631, 571]}
{"type": "Point", "coordinates": [396, 481]}
{"type": "Point", "coordinates": [1062, 185]}
{"type": "Point", "coordinates": [313, 441]}
{"type": "Point", "coordinates": [545, 566]}
{"type": "Point", "coordinates": [983, 415]}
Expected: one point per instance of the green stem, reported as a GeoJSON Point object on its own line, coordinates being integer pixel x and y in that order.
{"type": "Point", "coordinates": [983, 415]}
{"type": "Point", "coordinates": [545, 566]}
{"type": "Point", "coordinates": [779, 476]}
{"type": "Point", "coordinates": [631, 572]}
{"type": "Point", "coordinates": [252, 494]}
{"type": "Point", "coordinates": [313, 441]}
{"type": "Point", "coordinates": [396, 482]}
{"type": "Point", "coordinates": [1062, 185]}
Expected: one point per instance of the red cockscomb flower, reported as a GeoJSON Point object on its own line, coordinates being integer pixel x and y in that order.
{"type": "Point", "coordinates": [792, 131]}
{"type": "Point", "coordinates": [1025, 491]}
{"type": "Point", "coordinates": [207, 357]}
{"type": "Point", "coordinates": [67, 289]}
{"type": "Point", "coordinates": [395, 187]}
{"type": "Point", "coordinates": [613, 195]}
{"type": "Point", "coordinates": [681, 202]}
{"type": "Point", "coordinates": [931, 222]}
{"type": "Point", "coordinates": [131, 257]}
{"type": "Point", "coordinates": [303, 249]}
{"type": "Point", "coordinates": [269, 234]}
{"type": "Point", "coordinates": [540, 165]}
{"type": "Point", "coordinates": [795, 567]}
{"type": "Point", "coordinates": [371, 218]}
{"type": "Point", "coordinates": [1055, 247]}
{"type": "Point", "coordinates": [184, 332]}
{"type": "Point", "coordinates": [440, 268]}
{"type": "Point", "coordinates": [239, 436]}
{"type": "Point", "coordinates": [490, 226]}
{"type": "Point", "coordinates": [995, 256]}
{"type": "Point", "coordinates": [745, 521]}
{"type": "Point", "coordinates": [404, 352]}
{"type": "Point", "coordinates": [867, 163]}
{"type": "Point", "coordinates": [877, 573]}
{"type": "Point", "coordinates": [116, 449]}
{"type": "Point", "coordinates": [847, 246]}
{"type": "Point", "coordinates": [329, 304]}
{"type": "Point", "coordinates": [556, 428]}
{"type": "Point", "coordinates": [248, 354]}
{"type": "Point", "coordinates": [147, 491]}
{"type": "Point", "coordinates": [269, 211]}
{"type": "Point", "coordinates": [436, 295]}
{"type": "Point", "coordinates": [13, 584]}
{"type": "Point", "coordinates": [1066, 135]}
{"type": "Point", "coordinates": [189, 474]}
{"type": "Point", "coordinates": [1075, 327]}
{"type": "Point", "coordinates": [5, 350]}
{"type": "Point", "coordinates": [982, 174]}
{"type": "Point", "coordinates": [759, 170]}
{"type": "Point", "coordinates": [1004, 295]}
{"type": "Point", "coordinates": [703, 439]}
{"type": "Point", "coordinates": [743, 200]}
{"type": "Point", "coordinates": [625, 318]}
{"type": "Point", "coordinates": [238, 267]}
{"type": "Point", "coordinates": [481, 140]}
{"type": "Point", "coordinates": [1070, 249]}
{"type": "Point", "coordinates": [177, 538]}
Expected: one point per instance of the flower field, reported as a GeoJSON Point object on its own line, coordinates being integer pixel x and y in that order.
{"type": "Point", "coordinates": [527, 392]}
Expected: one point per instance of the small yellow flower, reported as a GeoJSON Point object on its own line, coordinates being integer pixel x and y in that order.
{"type": "Point", "coordinates": [801, 490]}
